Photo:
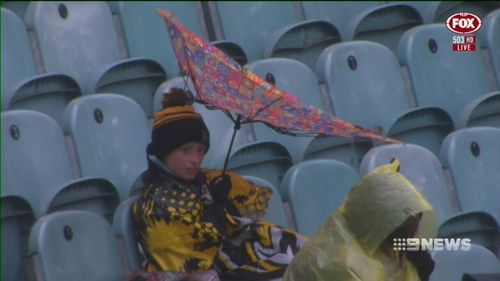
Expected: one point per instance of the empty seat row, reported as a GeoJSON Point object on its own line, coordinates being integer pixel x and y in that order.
{"type": "Point", "coordinates": [142, 92]}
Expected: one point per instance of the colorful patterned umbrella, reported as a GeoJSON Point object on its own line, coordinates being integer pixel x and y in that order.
{"type": "Point", "coordinates": [223, 83]}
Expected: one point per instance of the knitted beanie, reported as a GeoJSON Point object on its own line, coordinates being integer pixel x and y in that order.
{"type": "Point", "coordinates": [177, 124]}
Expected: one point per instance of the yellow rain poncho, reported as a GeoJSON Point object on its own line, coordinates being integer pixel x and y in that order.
{"type": "Point", "coordinates": [347, 246]}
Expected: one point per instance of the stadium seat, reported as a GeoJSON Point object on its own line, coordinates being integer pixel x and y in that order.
{"type": "Point", "coordinates": [18, 7]}
{"type": "Point", "coordinates": [482, 111]}
{"type": "Point", "coordinates": [351, 69]}
{"type": "Point", "coordinates": [233, 20]}
{"type": "Point", "coordinates": [123, 227]}
{"type": "Point", "coordinates": [110, 134]}
{"type": "Point", "coordinates": [232, 50]}
{"type": "Point", "coordinates": [300, 81]}
{"type": "Point", "coordinates": [303, 41]}
{"type": "Point", "coordinates": [438, 12]}
{"type": "Point", "coordinates": [314, 189]}
{"type": "Point", "coordinates": [490, 39]}
{"type": "Point", "coordinates": [146, 34]}
{"type": "Point", "coordinates": [22, 87]}
{"type": "Point", "coordinates": [473, 156]}
{"type": "Point", "coordinates": [480, 227]}
{"type": "Point", "coordinates": [452, 265]}
{"type": "Point", "coordinates": [383, 24]}
{"type": "Point", "coordinates": [79, 39]}
{"type": "Point", "coordinates": [420, 166]}
{"type": "Point", "coordinates": [264, 159]}
{"type": "Point", "coordinates": [36, 166]}
{"type": "Point", "coordinates": [339, 13]}
{"type": "Point", "coordinates": [276, 210]}
{"type": "Point", "coordinates": [17, 219]}
{"type": "Point", "coordinates": [76, 245]}
{"type": "Point", "coordinates": [219, 124]}
{"type": "Point", "coordinates": [437, 73]}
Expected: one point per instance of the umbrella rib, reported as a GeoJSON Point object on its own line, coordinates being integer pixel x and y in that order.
{"type": "Point", "coordinates": [265, 107]}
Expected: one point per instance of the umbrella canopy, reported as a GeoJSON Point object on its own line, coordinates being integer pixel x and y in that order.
{"type": "Point", "coordinates": [223, 83]}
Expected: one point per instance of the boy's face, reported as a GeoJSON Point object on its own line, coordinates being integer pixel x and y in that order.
{"type": "Point", "coordinates": [185, 161]}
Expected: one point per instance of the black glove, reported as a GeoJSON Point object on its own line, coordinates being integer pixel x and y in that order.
{"type": "Point", "coordinates": [219, 189]}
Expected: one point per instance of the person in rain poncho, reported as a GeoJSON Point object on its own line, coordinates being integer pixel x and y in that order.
{"type": "Point", "coordinates": [356, 242]}
{"type": "Point", "coordinates": [197, 224]}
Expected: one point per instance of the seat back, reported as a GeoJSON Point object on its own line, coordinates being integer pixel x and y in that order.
{"type": "Point", "coordinates": [79, 39]}
{"type": "Point", "coordinates": [275, 210]}
{"type": "Point", "coordinates": [17, 59]}
{"type": "Point", "coordinates": [339, 13]}
{"type": "Point", "coordinates": [437, 75]}
{"type": "Point", "coordinates": [136, 17]}
{"type": "Point", "coordinates": [234, 19]}
{"type": "Point", "coordinates": [22, 88]}
{"type": "Point", "coordinates": [452, 265]}
{"type": "Point", "coordinates": [76, 245]}
{"type": "Point", "coordinates": [490, 37]}
{"type": "Point", "coordinates": [473, 157]}
{"type": "Point", "coordinates": [439, 11]}
{"type": "Point", "coordinates": [350, 71]}
{"type": "Point", "coordinates": [314, 189]}
{"type": "Point", "coordinates": [384, 24]}
{"type": "Point", "coordinates": [299, 80]}
{"type": "Point", "coordinates": [74, 38]}
{"type": "Point", "coordinates": [17, 219]}
{"type": "Point", "coordinates": [34, 157]}
{"type": "Point", "coordinates": [110, 133]}
{"type": "Point", "coordinates": [420, 166]}
{"type": "Point", "coordinates": [303, 41]}
{"type": "Point", "coordinates": [39, 168]}
{"type": "Point", "coordinates": [264, 159]}
{"type": "Point", "coordinates": [124, 231]}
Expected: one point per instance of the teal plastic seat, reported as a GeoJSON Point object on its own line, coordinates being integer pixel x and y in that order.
{"type": "Point", "coordinates": [76, 245]}
{"type": "Point", "coordinates": [314, 189]}
{"type": "Point", "coordinates": [264, 159]}
{"type": "Point", "coordinates": [383, 24]}
{"type": "Point", "coordinates": [436, 72]}
{"type": "Point", "coordinates": [296, 78]}
{"type": "Point", "coordinates": [124, 232]}
{"type": "Point", "coordinates": [276, 210]}
{"type": "Point", "coordinates": [490, 39]}
{"type": "Point", "coordinates": [79, 39]}
{"type": "Point", "coordinates": [303, 41]}
{"type": "Point", "coordinates": [110, 134]}
{"type": "Point", "coordinates": [439, 11]}
{"type": "Point", "coordinates": [232, 50]}
{"type": "Point", "coordinates": [420, 166]}
{"type": "Point", "coordinates": [19, 8]}
{"type": "Point", "coordinates": [473, 156]}
{"type": "Point", "coordinates": [480, 227]}
{"type": "Point", "coordinates": [146, 34]}
{"type": "Point", "coordinates": [251, 24]}
{"type": "Point", "coordinates": [452, 265]}
{"type": "Point", "coordinates": [17, 220]}
{"type": "Point", "coordinates": [37, 167]}
{"type": "Point", "coordinates": [482, 111]}
{"type": "Point", "coordinates": [219, 124]}
{"type": "Point", "coordinates": [348, 151]}
{"type": "Point", "coordinates": [339, 13]}
{"type": "Point", "coordinates": [22, 86]}
{"type": "Point", "coordinates": [351, 69]}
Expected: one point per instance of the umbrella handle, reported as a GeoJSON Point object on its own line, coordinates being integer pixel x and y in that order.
{"type": "Point", "coordinates": [237, 126]}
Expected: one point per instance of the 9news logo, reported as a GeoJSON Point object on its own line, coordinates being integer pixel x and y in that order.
{"type": "Point", "coordinates": [463, 23]}
{"type": "Point", "coordinates": [431, 244]}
